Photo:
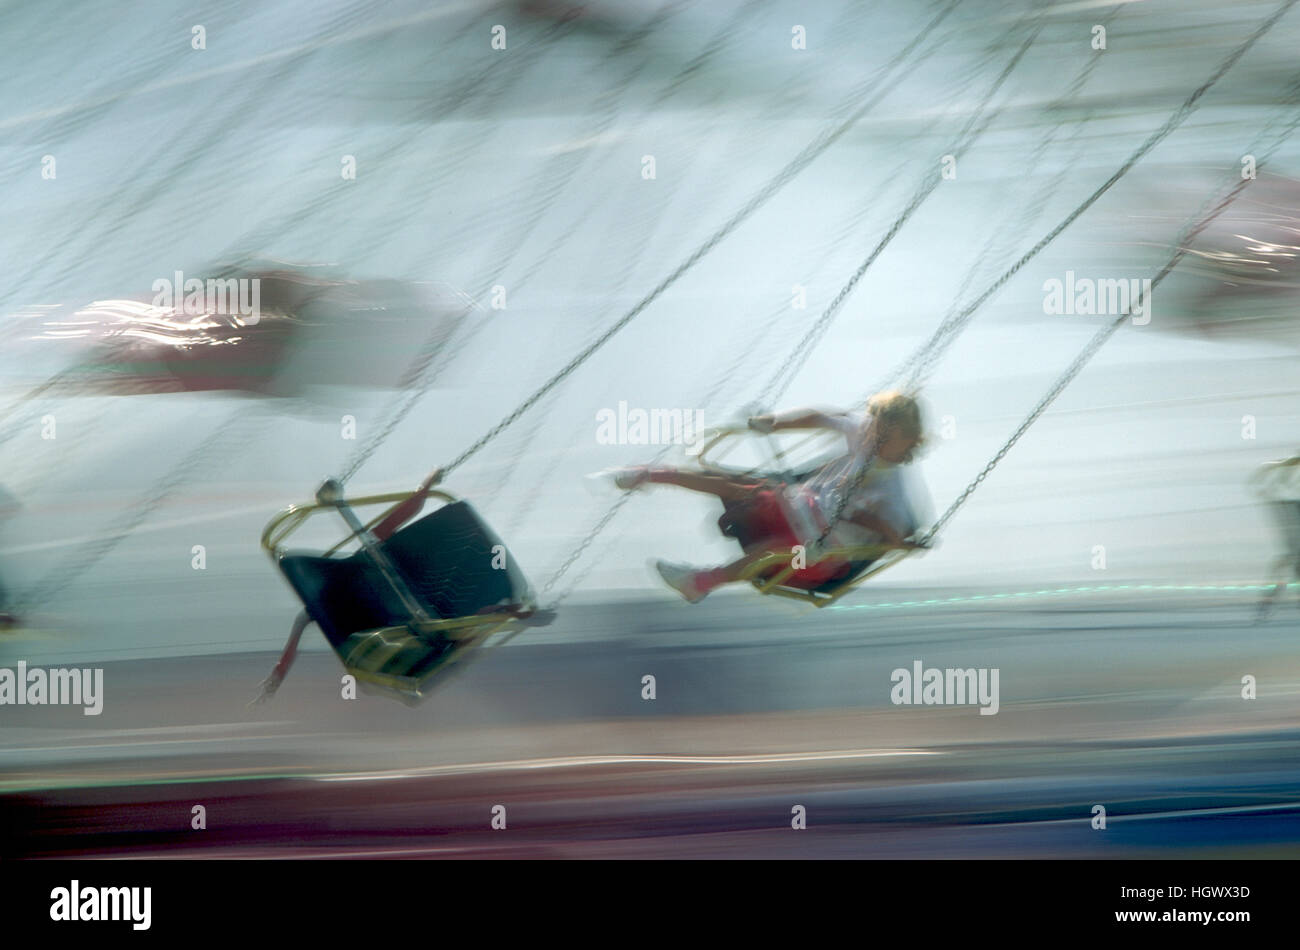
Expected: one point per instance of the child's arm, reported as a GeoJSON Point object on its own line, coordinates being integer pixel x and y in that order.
{"type": "Point", "coordinates": [798, 419]}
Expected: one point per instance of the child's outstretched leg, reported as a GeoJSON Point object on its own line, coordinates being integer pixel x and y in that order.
{"type": "Point", "coordinates": [694, 584]}
{"type": "Point", "coordinates": [722, 486]}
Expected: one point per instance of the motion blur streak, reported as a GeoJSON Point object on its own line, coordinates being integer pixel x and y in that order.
{"type": "Point", "coordinates": [1113, 569]}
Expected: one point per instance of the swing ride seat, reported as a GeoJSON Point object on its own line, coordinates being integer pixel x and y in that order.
{"type": "Point", "coordinates": [449, 583]}
{"type": "Point", "coordinates": [774, 573]}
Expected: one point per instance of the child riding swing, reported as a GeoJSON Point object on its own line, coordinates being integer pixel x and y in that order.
{"type": "Point", "coordinates": [857, 500]}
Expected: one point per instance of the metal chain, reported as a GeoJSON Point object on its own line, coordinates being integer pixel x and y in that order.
{"type": "Point", "coordinates": [585, 543]}
{"type": "Point", "coordinates": [230, 433]}
{"type": "Point", "coordinates": [414, 384]}
{"type": "Point", "coordinates": [1197, 224]}
{"type": "Point", "coordinates": [968, 135]}
{"type": "Point", "coordinates": [557, 173]}
{"type": "Point", "coordinates": [1182, 244]}
{"type": "Point", "coordinates": [1081, 360]}
{"type": "Point", "coordinates": [623, 499]}
{"type": "Point", "coordinates": [965, 136]}
{"type": "Point", "coordinates": [416, 380]}
{"type": "Point", "coordinates": [716, 44]}
{"type": "Point", "coordinates": [559, 181]}
{"type": "Point", "coordinates": [120, 203]}
{"type": "Point", "coordinates": [944, 335]}
{"type": "Point", "coordinates": [776, 315]}
{"type": "Point", "coordinates": [801, 161]}
{"type": "Point", "coordinates": [434, 346]}
{"type": "Point", "coordinates": [53, 382]}
{"type": "Point", "coordinates": [1034, 208]}
{"type": "Point", "coordinates": [738, 364]}
{"type": "Point", "coordinates": [970, 132]}
{"type": "Point", "coordinates": [458, 96]}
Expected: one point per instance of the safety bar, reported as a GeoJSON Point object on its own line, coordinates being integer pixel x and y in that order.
{"type": "Point", "coordinates": [331, 493]}
{"type": "Point", "coordinates": [284, 524]}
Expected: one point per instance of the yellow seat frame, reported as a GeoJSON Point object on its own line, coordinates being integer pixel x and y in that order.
{"type": "Point", "coordinates": [881, 556]}
{"type": "Point", "coordinates": [466, 632]}
{"type": "Point", "coordinates": [884, 558]}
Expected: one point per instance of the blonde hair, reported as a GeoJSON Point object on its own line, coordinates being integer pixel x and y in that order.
{"type": "Point", "coordinates": [893, 408]}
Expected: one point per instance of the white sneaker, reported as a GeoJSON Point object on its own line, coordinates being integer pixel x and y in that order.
{"type": "Point", "coordinates": [681, 579]}
{"type": "Point", "coordinates": [628, 478]}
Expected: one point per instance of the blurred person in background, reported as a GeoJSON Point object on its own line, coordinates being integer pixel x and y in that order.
{"type": "Point", "coordinates": [1278, 484]}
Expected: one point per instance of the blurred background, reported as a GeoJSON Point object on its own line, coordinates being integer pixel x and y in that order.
{"type": "Point", "coordinates": [499, 220]}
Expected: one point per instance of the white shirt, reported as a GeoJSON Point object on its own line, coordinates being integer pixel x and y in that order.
{"type": "Point", "coordinates": [878, 488]}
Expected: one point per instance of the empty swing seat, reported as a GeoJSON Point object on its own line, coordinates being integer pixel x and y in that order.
{"type": "Point", "coordinates": [446, 560]}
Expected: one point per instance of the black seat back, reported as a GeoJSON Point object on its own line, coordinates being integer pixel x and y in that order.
{"type": "Point", "coordinates": [445, 558]}
{"type": "Point", "coordinates": [344, 595]}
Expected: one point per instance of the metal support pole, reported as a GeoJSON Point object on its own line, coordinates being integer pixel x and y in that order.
{"type": "Point", "coordinates": [331, 493]}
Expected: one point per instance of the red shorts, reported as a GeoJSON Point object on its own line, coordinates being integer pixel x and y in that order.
{"type": "Point", "coordinates": [765, 518]}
